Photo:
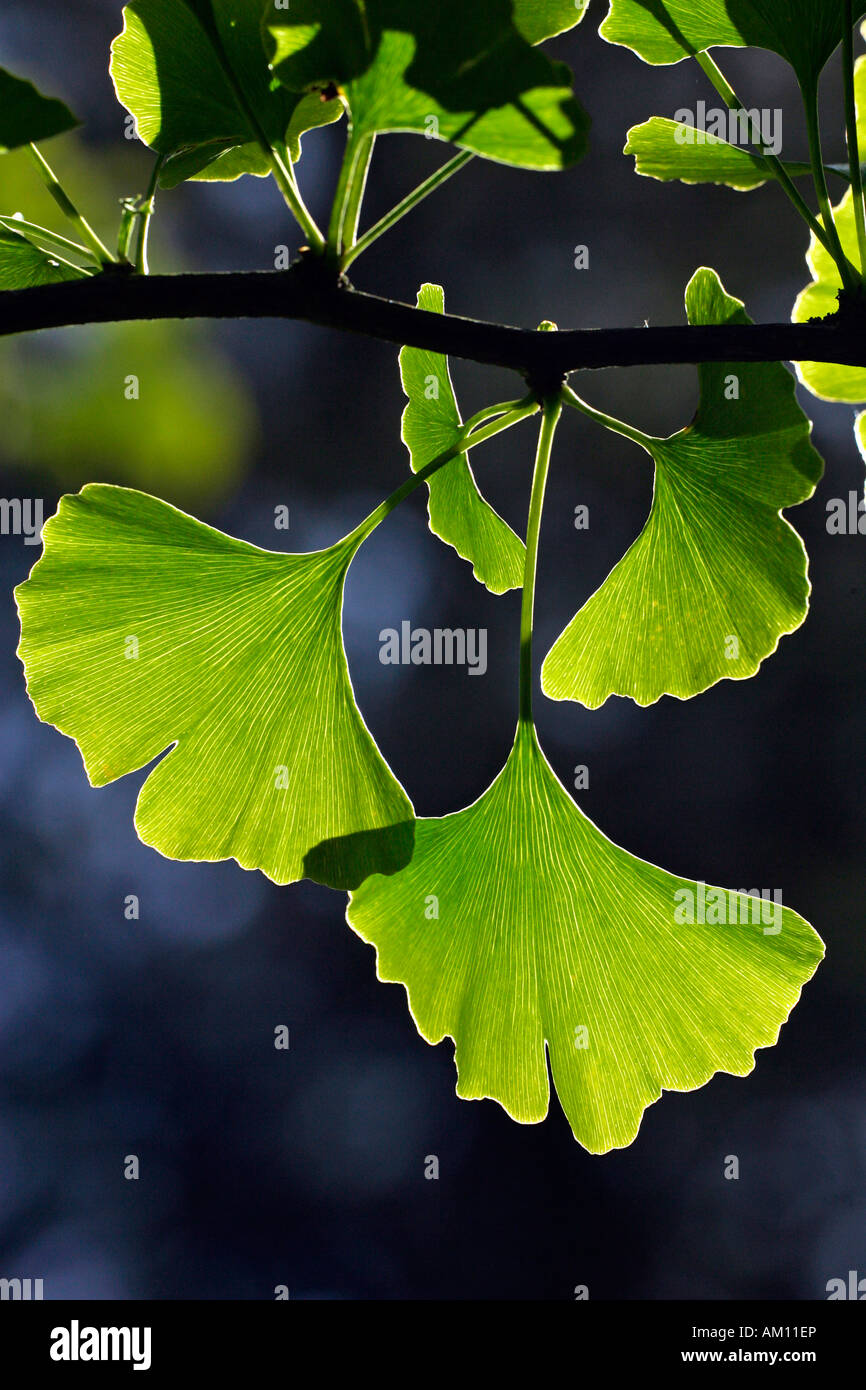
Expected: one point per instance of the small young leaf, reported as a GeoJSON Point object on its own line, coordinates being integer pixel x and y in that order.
{"type": "Point", "coordinates": [518, 925]}
{"type": "Point", "coordinates": [167, 75]}
{"type": "Point", "coordinates": [452, 71]}
{"type": "Point", "coordinates": [23, 265]}
{"type": "Point", "coordinates": [661, 152]}
{"type": "Point", "coordinates": [26, 116]}
{"type": "Point", "coordinates": [144, 630]}
{"type": "Point", "coordinates": [458, 513]}
{"type": "Point", "coordinates": [804, 32]}
{"type": "Point", "coordinates": [717, 576]}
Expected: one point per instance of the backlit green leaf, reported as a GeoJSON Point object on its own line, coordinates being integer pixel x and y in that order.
{"type": "Point", "coordinates": [167, 74]}
{"type": "Point", "coordinates": [144, 630]}
{"type": "Point", "coordinates": [805, 32]}
{"type": "Point", "coordinates": [458, 513]}
{"type": "Point", "coordinates": [518, 926]}
{"type": "Point", "coordinates": [826, 379]}
{"type": "Point", "coordinates": [542, 19]}
{"type": "Point", "coordinates": [26, 116]}
{"type": "Point", "coordinates": [717, 576]}
{"type": "Point", "coordinates": [456, 72]}
{"type": "Point", "coordinates": [662, 151]}
{"type": "Point", "coordinates": [22, 264]}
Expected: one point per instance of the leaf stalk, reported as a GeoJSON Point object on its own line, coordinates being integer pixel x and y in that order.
{"type": "Point", "coordinates": [551, 412]}
{"type": "Point", "coordinates": [399, 211]}
{"type": "Point", "coordinates": [96, 247]}
{"type": "Point", "coordinates": [467, 438]}
{"type": "Point", "coordinates": [774, 165]}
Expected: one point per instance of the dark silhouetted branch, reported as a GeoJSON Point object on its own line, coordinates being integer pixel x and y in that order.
{"type": "Point", "coordinates": [299, 294]}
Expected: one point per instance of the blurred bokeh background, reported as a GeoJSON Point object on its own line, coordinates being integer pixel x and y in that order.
{"type": "Point", "coordinates": [155, 1037]}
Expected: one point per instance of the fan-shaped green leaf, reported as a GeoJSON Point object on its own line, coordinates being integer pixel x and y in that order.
{"type": "Point", "coordinates": [804, 32]}
{"type": "Point", "coordinates": [452, 71]}
{"type": "Point", "coordinates": [458, 513]}
{"type": "Point", "coordinates": [26, 116]}
{"type": "Point", "coordinates": [518, 925]}
{"type": "Point", "coordinates": [22, 264]}
{"type": "Point", "coordinates": [717, 576]}
{"type": "Point", "coordinates": [144, 630]}
{"type": "Point", "coordinates": [168, 76]}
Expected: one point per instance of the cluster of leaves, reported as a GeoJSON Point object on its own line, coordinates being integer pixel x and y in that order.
{"type": "Point", "coordinates": [805, 33]}
{"type": "Point", "coordinates": [548, 939]}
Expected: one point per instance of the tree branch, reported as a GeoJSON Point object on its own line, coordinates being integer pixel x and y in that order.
{"type": "Point", "coordinates": [301, 293]}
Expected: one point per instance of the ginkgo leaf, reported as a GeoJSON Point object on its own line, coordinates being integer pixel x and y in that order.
{"type": "Point", "coordinates": [168, 76]}
{"type": "Point", "coordinates": [518, 925]}
{"type": "Point", "coordinates": [538, 20]}
{"type": "Point", "coordinates": [225, 160]}
{"type": "Point", "coordinates": [458, 513]}
{"type": "Point", "coordinates": [717, 576]}
{"type": "Point", "coordinates": [662, 151]}
{"type": "Point", "coordinates": [453, 71]}
{"type": "Point", "coordinates": [145, 630]}
{"type": "Point", "coordinates": [26, 116]}
{"type": "Point", "coordinates": [665, 149]}
{"type": "Point", "coordinates": [804, 32]}
{"type": "Point", "coordinates": [829, 381]}
{"type": "Point", "coordinates": [22, 264]}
